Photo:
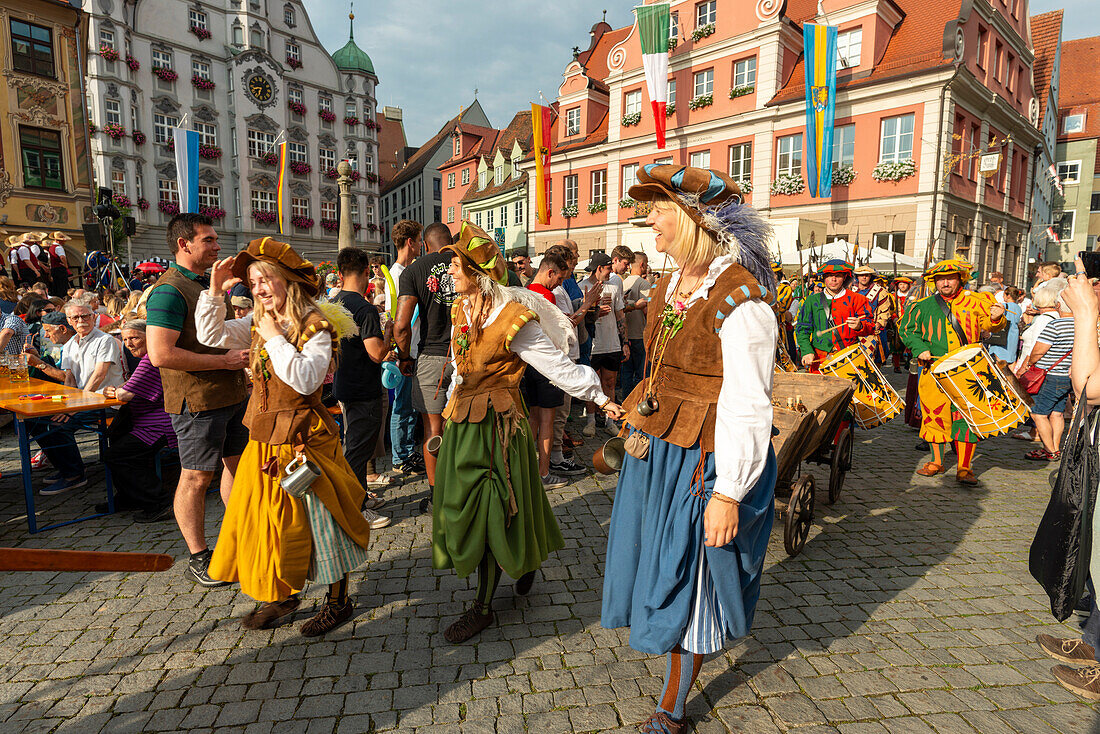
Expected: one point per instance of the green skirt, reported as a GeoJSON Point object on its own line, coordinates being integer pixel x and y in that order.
{"type": "Point", "coordinates": [471, 505]}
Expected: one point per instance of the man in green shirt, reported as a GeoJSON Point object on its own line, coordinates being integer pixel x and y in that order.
{"type": "Point", "coordinates": [205, 393]}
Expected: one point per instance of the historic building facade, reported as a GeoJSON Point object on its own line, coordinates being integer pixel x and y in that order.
{"type": "Point", "coordinates": [1077, 208]}
{"type": "Point", "coordinates": [923, 88]}
{"type": "Point", "coordinates": [245, 74]}
{"type": "Point", "coordinates": [44, 172]}
{"type": "Point", "coordinates": [483, 181]}
{"type": "Point", "coordinates": [1046, 37]}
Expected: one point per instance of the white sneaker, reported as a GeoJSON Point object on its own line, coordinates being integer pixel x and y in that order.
{"type": "Point", "coordinates": [589, 429]}
{"type": "Point", "coordinates": [375, 520]}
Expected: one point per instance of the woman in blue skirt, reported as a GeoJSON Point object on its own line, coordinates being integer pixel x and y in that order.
{"type": "Point", "coordinates": [695, 500]}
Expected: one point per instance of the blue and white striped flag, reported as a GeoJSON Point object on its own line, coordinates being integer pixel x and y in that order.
{"type": "Point", "coordinates": [187, 168]}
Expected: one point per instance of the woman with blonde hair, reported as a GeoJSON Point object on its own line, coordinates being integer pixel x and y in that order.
{"type": "Point", "coordinates": [271, 541]}
{"type": "Point", "coordinates": [490, 511]}
{"type": "Point", "coordinates": [690, 525]}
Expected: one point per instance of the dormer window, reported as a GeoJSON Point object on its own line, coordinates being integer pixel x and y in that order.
{"type": "Point", "coordinates": [288, 16]}
{"type": "Point", "coordinates": [515, 167]}
{"type": "Point", "coordinates": [482, 178]}
{"type": "Point", "coordinates": [458, 145]}
{"type": "Point", "coordinates": [498, 175]}
{"type": "Point", "coordinates": [573, 121]}
{"type": "Point", "coordinates": [849, 47]}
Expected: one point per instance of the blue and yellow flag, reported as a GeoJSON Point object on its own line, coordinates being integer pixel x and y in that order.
{"type": "Point", "coordinates": [820, 55]}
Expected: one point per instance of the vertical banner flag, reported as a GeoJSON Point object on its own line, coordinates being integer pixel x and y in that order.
{"type": "Point", "coordinates": [653, 30]}
{"type": "Point", "coordinates": [540, 128]}
{"type": "Point", "coordinates": [1055, 178]}
{"type": "Point", "coordinates": [187, 168]}
{"type": "Point", "coordinates": [820, 63]}
{"type": "Point", "coordinates": [281, 183]}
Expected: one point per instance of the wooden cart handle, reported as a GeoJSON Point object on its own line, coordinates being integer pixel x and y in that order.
{"type": "Point", "coordinates": [28, 559]}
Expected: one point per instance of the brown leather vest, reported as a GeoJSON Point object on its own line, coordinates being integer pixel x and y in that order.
{"type": "Point", "coordinates": [277, 413]}
{"type": "Point", "coordinates": [490, 372]}
{"type": "Point", "coordinates": [206, 389]}
{"type": "Point", "coordinates": [690, 379]}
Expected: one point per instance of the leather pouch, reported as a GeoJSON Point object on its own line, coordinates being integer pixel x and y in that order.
{"type": "Point", "coordinates": [637, 445]}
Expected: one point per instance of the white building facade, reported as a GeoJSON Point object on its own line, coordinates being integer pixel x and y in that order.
{"type": "Point", "coordinates": [245, 74]}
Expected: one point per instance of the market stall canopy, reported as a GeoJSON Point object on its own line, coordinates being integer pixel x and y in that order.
{"type": "Point", "coordinates": [879, 258]}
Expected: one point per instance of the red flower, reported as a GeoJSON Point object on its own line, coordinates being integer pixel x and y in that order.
{"type": "Point", "coordinates": [465, 329]}
{"type": "Point", "coordinates": [433, 284]}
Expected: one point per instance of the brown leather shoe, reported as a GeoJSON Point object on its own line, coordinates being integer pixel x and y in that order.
{"type": "Point", "coordinates": [930, 469]}
{"type": "Point", "coordinates": [965, 476]}
{"type": "Point", "coordinates": [1082, 681]}
{"type": "Point", "coordinates": [270, 614]}
{"type": "Point", "coordinates": [475, 619]}
{"type": "Point", "coordinates": [660, 722]}
{"type": "Point", "coordinates": [334, 613]}
{"type": "Point", "coordinates": [1073, 651]}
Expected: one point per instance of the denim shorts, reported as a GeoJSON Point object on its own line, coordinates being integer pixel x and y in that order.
{"type": "Point", "coordinates": [205, 437]}
{"type": "Point", "coordinates": [1051, 397]}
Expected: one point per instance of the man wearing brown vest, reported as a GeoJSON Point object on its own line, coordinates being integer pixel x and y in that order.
{"type": "Point", "coordinates": [204, 388]}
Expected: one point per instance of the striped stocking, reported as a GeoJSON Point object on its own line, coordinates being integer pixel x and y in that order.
{"type": "Point", "coordinates": [680, 674]}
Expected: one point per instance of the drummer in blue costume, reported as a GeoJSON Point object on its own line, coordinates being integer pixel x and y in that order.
{"type": "Point", "coordinates": [690, 525]}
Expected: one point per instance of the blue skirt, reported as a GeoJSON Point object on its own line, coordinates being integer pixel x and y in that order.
{"type": "Point", "coordinates": [652, 575]}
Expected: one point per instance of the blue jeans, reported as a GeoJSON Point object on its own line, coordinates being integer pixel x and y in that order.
{"type": "Point", "coordinates": [586, 347]}
{"type": "Point", "coordinates": [633, 369]}
{"type": "Point", "coordinates": [1091, 633]}
{"type": "Point", "coordinates": [402, 423]}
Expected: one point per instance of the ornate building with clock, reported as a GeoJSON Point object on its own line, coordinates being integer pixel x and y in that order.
{"type": "Point", "coordinates": [246, 75]}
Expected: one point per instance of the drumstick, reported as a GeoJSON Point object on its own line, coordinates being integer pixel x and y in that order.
{"type": "Point", "coordinates": [829, 331]}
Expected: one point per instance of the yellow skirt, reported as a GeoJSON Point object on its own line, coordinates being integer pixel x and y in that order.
{"type": "Point", "coordinates": [265, 542]}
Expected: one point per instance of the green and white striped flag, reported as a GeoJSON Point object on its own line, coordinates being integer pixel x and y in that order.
{"type": "Point", "coordinates": [653, 28]}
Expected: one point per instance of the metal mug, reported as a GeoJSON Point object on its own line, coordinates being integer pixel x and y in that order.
{"type": "Point", "coordinates": [433, 445]}
{"type": "Point", "coordinates": [300, 475]}
{"type": "Point", "coordinates": [608, 459]}
{"type": "Point", "coordinates": [649, 406]}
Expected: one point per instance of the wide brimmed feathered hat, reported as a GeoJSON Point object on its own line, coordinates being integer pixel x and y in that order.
{"type": "Point", "coordinates": [954, 266]}
{"type": "Point", "coordinates": [293, 266]}
{"type": "Point", "coordinates": [478, 250]}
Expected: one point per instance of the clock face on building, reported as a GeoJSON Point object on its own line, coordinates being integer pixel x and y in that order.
{"type": "Point", "coordinates": [259, 87]}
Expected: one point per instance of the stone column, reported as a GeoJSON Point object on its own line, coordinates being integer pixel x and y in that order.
{"type": "Point", "coordinates": [346, 235]}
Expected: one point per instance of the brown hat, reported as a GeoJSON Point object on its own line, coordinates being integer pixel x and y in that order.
{"type": "Point", "coordinates": [292, 265]}
{"type": "Point", "coordinates": [712, 187]}
{"type": "Point", "coordinates": [478, 249]}
{"type": "Point", "coordinates": [59, 236]}
{"type": "Point", "coordinates": [865, 270]}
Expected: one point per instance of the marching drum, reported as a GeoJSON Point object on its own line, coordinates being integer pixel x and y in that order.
{"type": "Point", "coordinates": [978, 389]}
{"type": "Point", "coordinates": [875, 400]}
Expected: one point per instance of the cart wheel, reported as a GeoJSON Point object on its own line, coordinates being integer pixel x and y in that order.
{"type": "Point", "coordinates": [799, 516]}
{"type": "Point", "coordinates": [841, 463]}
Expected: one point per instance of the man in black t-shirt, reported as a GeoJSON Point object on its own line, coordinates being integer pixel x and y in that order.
{"type": "Point", "coordinates": [426, 284]}
{"type": "Point", "coordinates": [357, 383]}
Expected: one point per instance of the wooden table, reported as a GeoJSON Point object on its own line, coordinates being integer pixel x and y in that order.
{"type": "Point", "coordinates": [16, 397]}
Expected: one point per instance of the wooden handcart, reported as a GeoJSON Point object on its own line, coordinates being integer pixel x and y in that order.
{"type": "Point", "coordinates": [823, 435]}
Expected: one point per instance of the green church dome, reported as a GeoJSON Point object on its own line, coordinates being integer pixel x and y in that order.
{"type": "Point", "coordinates": [351, 57]}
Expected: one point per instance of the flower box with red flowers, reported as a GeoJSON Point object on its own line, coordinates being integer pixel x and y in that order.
{"type": "Point", "coordinates": [332, 173]}
{"type": "Point", "coordinates": [330, 225]}
{"type": "Point", "coordinates": [108, 53]}
{"type": "Point", "coordinates": [170, 208]}
{"type": "Point", "coordinates": [370, 177]}
{"type": "Point", "coordinates": [372, 227]}
{"type": "Point", "coordinates": [270, 158]}
{"type": "Point", "coordinates": [122, 200]}
{"type": "Point", "coordinates": [214, 212]}
{"type": "Point", "coordinates": [351, 120]}
{"type": "Point", "coordinates": [143, 203]}
{"type": "Point", "coordinates": [200, 33]}
{"type": "Point", "coordinates": [302, 222]}
{"type": "Point", "coordinates": [133, 63]}
{"type": "Point", "coordinates": [300, 168]}
{"type": "Point", "coordinates": [264, 216]}
{"type": "Point", "coordinates": [371, 124]}
{"type": "Point", "coordinates": [355, 176]}
{"type": "Point", "coordinates": [92, 128]}
{"type": "Point", "coordinates": [209, 152]}
{"type": "Point", "coordinates": [138, 136]}
{"type": "Point", "coordinates": [327, 115]}
{"type": "Point", "coordinates": [114, 130]}
{"type": "Point", "coordinates": [201, 82]}
{"type": "Point", "coordinates": [357, 226]}
{"type": "Point", "coordinates": [296, 107]}
{"type": "Point", "coordinates": [164, 73]}
{"type": "Point", "coordinates": [293, 63]}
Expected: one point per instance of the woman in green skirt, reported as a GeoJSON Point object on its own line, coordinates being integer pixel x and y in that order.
{"type": "Point", "coordinates": [490, 512]}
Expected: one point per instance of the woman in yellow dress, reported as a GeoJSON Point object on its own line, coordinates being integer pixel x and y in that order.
{"type": "Point", "coordinates": [272, 542]}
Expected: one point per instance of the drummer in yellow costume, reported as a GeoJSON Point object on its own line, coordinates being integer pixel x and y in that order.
{"type": "Point", "coordinates": [949, 318]}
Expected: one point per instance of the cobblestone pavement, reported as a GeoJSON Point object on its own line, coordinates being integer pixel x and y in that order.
{"type": "Point", "coordinates": [910, 610]}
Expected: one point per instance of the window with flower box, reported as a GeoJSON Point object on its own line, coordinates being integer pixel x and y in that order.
{"type": "Point", "coordinates": [162, 127]}
{"type": "Point", "coordinates": [671, 93]}
{"type": "Point", "coordinates": [744, 72]}
{"type": "Point", "coordinates": [849, 48]}
{"type": "Point", "coordinates": [118, 183]}
{"type": "Point", "coordinates": [673, 26]}
{"type": "Point", "coordinates": [465, 176]}
{"type": "Point", "coordinates": [700, 159]}
{"type": "Point", "coordinates": [327, 157]}
{"type": "Point", "coordinates": [368, 165]}
{"type": "Point", "coordinates": [632, 102]}
{"type": "Point", "coordinates": [162, 59]}
{"type": "Point", "coordinates": [299, 207]}
{"type": "Point", "coordinates": [706, 13]}
{"type": "Point", "coordinates": [197, 19]}
{"type": "Point", "coordinates": [328, 210]}
{"type": "Point", "coordinates": [293, 51]}
{"type": "Point", "coordinates": [844, 146]}
{"type": "Point", "coordinates": [350, 109]}
{"type": "Point", "coordinates": [263, 201]}
{"type": "Point", "coordinates": [210, 197]}
{"type": "Point", "coordinates": [200, 69]}
{"type": "Point", "coordinates": [208, 133]}
{"type": "Point", "coordinates": [630, 177]}
{"type": "Point", "coordinates": [789, 155]}
{"type": "Point", "coordinates": [112, 109]}
{"type": "Point", "coordinates": [704, 82]}
{"type": "Point", "coordinates": [897, 138]}
{"type": "Point", "coordinates": [32, 48]}
{"type": "Point", "coordinates": [106, 38]}
{"type": "Point", "coordinates": [569, 186]}
{"type": "Point", "coordinates": [259, 143]}
{"type": "Point", "coordinates": [296, 153]}
{"type": "Point", "coordinates": [295, 95]}
{"type": "Point", "coordinates": [573, 121]}
{"type": "Point", "coordinates": [599, 187]}
{"type": "Point", "coordinates": [741, 162]}
{"type": "Point", "coordinates": [167, 191]}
